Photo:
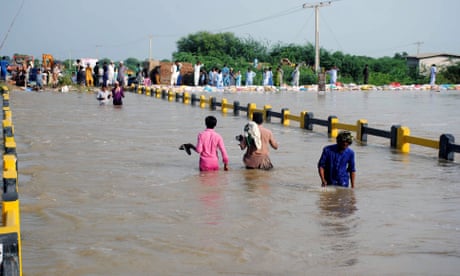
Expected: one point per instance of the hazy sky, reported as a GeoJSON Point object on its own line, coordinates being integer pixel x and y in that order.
{"type": "Point", "coordinates": [121, 29]}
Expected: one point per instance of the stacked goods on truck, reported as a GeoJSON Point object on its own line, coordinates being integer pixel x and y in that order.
{"type": "Point", "coordinates": [186, 73]}
{"type": "Point", "coordinates": [19, 62]}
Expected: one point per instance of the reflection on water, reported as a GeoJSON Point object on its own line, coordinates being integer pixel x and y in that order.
{"type": "Point", "coordinates": [211, 196]}
{"type": "Point", "coordinates": [337, 202]}
{"type": "Point", "coordinates": [337, 207]}
{"type": "Point", "coordinates": [256, 180]}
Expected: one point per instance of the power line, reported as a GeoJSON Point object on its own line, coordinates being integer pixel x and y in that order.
{"type": "Point", "coordinates": [11, 25]}
{"type": "Point", "coordinates": [266, 18]}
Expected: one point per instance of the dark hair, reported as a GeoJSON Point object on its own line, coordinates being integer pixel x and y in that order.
{"type": "Point", "coordinates": [345, 136]}
{"type": "Point", "coordinates": [258, 117]}
{"type": "Point", "coordinates": [211, 122]}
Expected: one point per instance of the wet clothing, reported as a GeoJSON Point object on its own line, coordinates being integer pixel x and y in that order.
{"type": "Point", "coordinates": [117, 95]}
{"type": "Point", "coordinates": [103, 97]}
{"type": "Point", "coordinates": [337, 165]}
{"type": "Point", "coordinates": [259, 158]}
{"type": "Point", "coordinates": [208, 142]}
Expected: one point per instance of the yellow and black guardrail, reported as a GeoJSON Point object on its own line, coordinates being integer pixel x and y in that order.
{"type": "Point", "coordinates": [399, 136]}
{"type": "Point", "coordinates": [10, 230]}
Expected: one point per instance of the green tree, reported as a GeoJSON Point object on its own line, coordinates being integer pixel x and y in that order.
{"type": "Point", "coordinates": [450, 74]}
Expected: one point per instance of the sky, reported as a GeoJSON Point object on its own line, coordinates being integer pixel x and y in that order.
{"type": "Point", "coordinates": [141, 29]}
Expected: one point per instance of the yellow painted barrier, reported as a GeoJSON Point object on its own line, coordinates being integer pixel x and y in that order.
{"type": "Point", "coordinates": [9, 162]}
{"type": "Point", "coordinates": [10, 236]}
{"type": "Point", "coordinates": [251, 109]}
{"type": "Point", "coordinates": [401, 143]}
{"type": "Point", "coordinates": [224, 106]}
{"type": "Point", "coordinates": [203, 101]}
{"type": "Point", "coordinates": [345, 126]}
{"type": "Point", "coordinates": [10, 232]}
{"type": "Point", "coordinates": [170, 95]}
{"type": "Point", "coordinates": [302, 119]}
{"type": "Point", "coordinates": [187, 98]}
{"type": "Point", "coordinates": [334, 130]}
{"type": "Point", "coordinates": [293, 117]}
{"type": "Point", "coordinates": [422, 142]}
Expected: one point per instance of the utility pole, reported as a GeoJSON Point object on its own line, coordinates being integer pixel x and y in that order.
{"type": "Point", "coordinates": [317, 6]}
{"type": "Point", "coordinates": [150, 48]}
{"type": "Point", "coordinates": [418, 43]}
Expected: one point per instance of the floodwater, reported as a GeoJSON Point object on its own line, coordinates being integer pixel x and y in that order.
{"type": "Point", "coordinates": [105, 191]}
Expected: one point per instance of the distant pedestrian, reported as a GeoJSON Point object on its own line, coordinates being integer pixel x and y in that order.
{"type": "Point", "coordinates": [111, 73]}
{"type": "Point", "coordinates": [250, 75]}
{"type": "Point", "coordinates": [279, 76]}
{"type": "Point", "coordinates": [333, 75]}
{"type": "Point", "coordinates": [225, 75]}
{"type": "Point", "coordinates": [366, 74]}
{"type": "Point", "coordinates": [121, 74]}
{"type": "Point", "coordinates": [296, 76]}
{"type": "Point", "coordinates": [117, 94]}
{"type": "Point", "coordinates": [97, 82]}
{"type": "Point", "coordinates": [196, 73]}
{"type": "Point", "coordinates": [103, 96]}
{"type": "Point", "coordinates": [3, 65]}
{"type": "Point", "coordinates": [89, 75]}
{"type": "Point", "coordinates": [175, 72]}
{"type": "Point", "coordinates": [433, 72]}
{"type": "Point", "coordinates": [238, 78]}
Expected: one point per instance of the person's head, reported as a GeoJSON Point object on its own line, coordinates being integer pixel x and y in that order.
{"type": "Point", "coordinates": [344, 139]}
{"type": "Point", "coordinates": [104, 87]}
{"type": "Point", "coordinates": [211, 122]}
{"type": "Point", "coordinates": [258, 118]}
{"type": "Point", "coordinates": [117, 83]}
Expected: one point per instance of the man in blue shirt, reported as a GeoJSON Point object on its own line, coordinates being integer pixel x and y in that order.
{"type": "Point", "coordinates": [4, 65]}
{"type": "Point", "coordinates": [337, 163]}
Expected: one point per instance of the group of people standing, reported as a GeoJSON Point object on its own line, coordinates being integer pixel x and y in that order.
{"type": "Point", "coordinates": [98, 75]}
{"type": "Point", "coordinates": [216, 77]}
{"type": "Point", "coordinates": [336, 165]}
{"type": "Point", "coordinates": [225, 76]}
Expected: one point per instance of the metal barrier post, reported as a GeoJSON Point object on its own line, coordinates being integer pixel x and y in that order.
{"type": "Point", "coordinates": [445, 151]}
{"type": "Point", "coordinates": [284, 120]}
{"type": "Point", "coordinates": [307, 120]}
{"type": "Point", "coordinates": [251, 108]}
{"type": "Point", "coordinates": [267, 113]}
{"type": "Point", "coordinates": [361, 132]}
{"type": "Point", "coordinates": [224, 106]}
{"type": "Point", "coordinates": [332, 131]}
{"type": "Point", "coordinates": [236, 108]}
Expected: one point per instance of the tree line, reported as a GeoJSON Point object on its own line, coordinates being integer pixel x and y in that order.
{"type": "Point", "coordinates": [217, 50]}
{"type": "Point", "coordinates": [239, 53]}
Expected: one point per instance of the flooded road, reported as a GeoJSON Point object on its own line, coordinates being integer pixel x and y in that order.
{"type": "Point", "coordinates": [105, 191]}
